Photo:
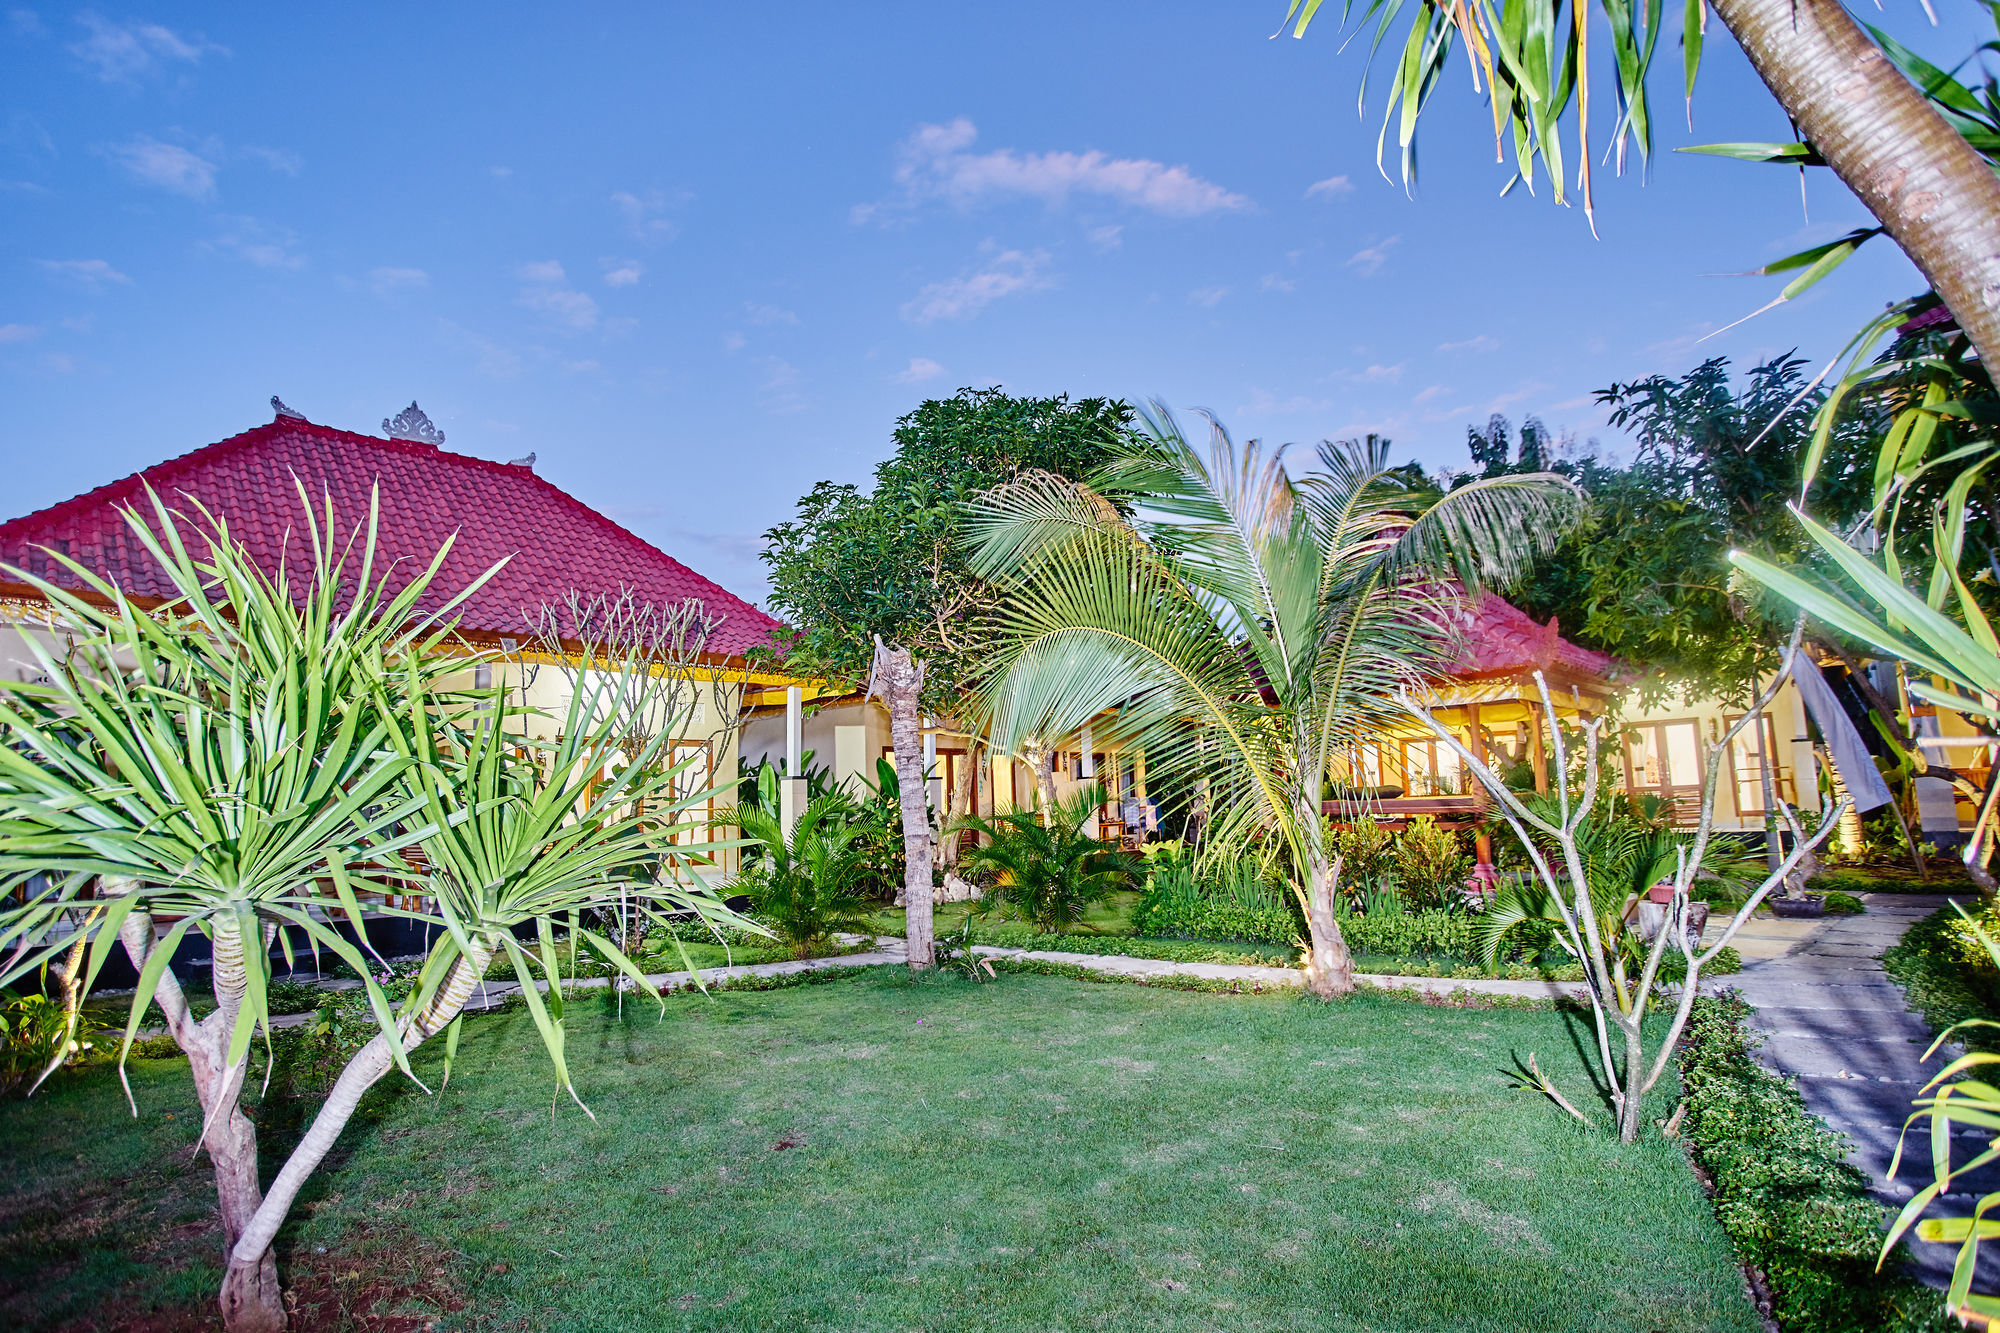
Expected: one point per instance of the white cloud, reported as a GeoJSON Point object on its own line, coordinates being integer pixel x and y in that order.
{"type": "Point", "coordinates": [733, 341]}
{"type": "Point", "coordinates": [921, 368]}
{"type": "Point", "coordinates": [1330, 188]}
{"type": "Point", "coordinates": [20, 333]}
{"type": "Point", "coordinates": [780, 387]}
{"type": "Point", "coordinates": [935, 163]}
{"type": "Point", "coordinates": [548, 292]}
{"type": "Point", "coordinates": [1004, 274]}
{"type": "Point", "coordinates": [1273, 282]}
{"type": "Point", "coordinates": [167, 165]}
{"type": "Point", "coordinates": [1107, 238]}
{"type": "Point", "coordinates": [768, 314]}
{"type": "Point", "coordinates": [644, 215]}
{"type": "Point", "coordinates": [500, 173]}
{"type": "Point", "coordinates": [123, 51]}
{"type": "Point", "coordinates": [26, 23]}
{"type": "Point", "coordinates": [281, 160]}
{"type": "Point", "coordinates": [261, 243]}
{"type": "Point", "coordinates": [1207, 297]}
{"type": "Point", "coordinates": [1369, 261]}
{"type": "Point", "coordinates": [1479, 342]}
{"type": "Point", "coordinates": [1264, 403]}
{"type": "Point", "coordinates": [622, 272]}
{"type": "Point", "coordinates": [1370, 374]}
{"type": "Point", "coordinates": [384, 281]}
{"type": "Point", "coordinates": [1432, 394]}
{"type": "Point", "coordinates": [89, 271]}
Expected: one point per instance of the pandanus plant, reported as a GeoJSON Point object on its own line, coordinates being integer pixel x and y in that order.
{"type": "Point", "coordinates": [244, 759]}
{"type": "Point", "coordinates": [1239, 624]}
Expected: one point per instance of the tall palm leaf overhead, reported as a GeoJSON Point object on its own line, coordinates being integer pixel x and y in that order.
{"type": "Point", "coordinates": [1241, 625]}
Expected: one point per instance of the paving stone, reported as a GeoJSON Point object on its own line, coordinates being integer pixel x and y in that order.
{"type": "Point", "coordinates": [1834, 1022]}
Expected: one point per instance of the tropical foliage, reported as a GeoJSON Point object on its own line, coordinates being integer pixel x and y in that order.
{"type": "Point", "coordinates": [806, 885]}
{"type": "Point", "coordinates": [1242, 627]}
{"type": "Point", "coordinates": [1049, 866]}
{"type": "Point", "coordinates": [249, 757]}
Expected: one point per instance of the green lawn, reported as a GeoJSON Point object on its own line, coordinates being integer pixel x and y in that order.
{"type": "Point", "coordinates": [876, 1153]}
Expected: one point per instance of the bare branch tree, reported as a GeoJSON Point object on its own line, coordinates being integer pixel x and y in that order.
{"type": "Point", "coordinates": [1619, 1002]}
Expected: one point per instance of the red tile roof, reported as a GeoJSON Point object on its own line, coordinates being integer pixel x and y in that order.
{"type": "Point", "coordinates": [498, 510]}
{"type": "Point", "coordinates": [1498, 637]}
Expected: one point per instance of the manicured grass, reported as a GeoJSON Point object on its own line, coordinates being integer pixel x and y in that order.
{"type": "Point", "coordinates": [1034, 1153]}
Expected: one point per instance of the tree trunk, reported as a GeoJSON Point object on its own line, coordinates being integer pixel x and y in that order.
{"type": "Point", "coordinates": [1045, 780]}
{"type": "Point", "coordinates": [250, 1299]}
{"type": "Point", "coordinates": [250, 1252]}
{"type": "Point", "coordinates": [1935, 195]}
{"type": "Point", "coordinates": [1329, 966]}
{"type": "Point", "coordinates": [899, 678]}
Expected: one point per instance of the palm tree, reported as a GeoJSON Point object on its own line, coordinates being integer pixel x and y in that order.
{"type": "Point", "coordinates": [806, 884]}
{"type": "Point", "coordinates": [1241, 625]}
{"type": "Point", "coordinates": [1048, 866]}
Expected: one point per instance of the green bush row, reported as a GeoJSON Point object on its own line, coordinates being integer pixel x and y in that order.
{"type": "Point", "coordinates": [1797, 1212]}
{"type": "Point", "coordinates": [1215, 919]}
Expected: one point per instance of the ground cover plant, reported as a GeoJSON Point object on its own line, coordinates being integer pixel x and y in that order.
{"type": "Point", "coordinates": [880, 1152]}
{"type": "Point", "coordinates": [1946, 975]}
{"type": "Point", "coordinates": [1801, 1217]}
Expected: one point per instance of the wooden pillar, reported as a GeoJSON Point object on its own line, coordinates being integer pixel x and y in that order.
{"type": "Point", "coordinates": [1478, 746]}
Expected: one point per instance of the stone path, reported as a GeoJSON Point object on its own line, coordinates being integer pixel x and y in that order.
{"type": "Point", "coordinates": [1836, 1022]}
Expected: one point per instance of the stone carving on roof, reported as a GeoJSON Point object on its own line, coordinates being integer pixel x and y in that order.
{"type": "Point", "coordinates": [412, 424]}
{"type": "Point", "coordinates": [278, 406]}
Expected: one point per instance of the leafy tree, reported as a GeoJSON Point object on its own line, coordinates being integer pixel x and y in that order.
{"type": "Point", "coordinates": [1247, 627]}
{"type": "Point", "coordinates": [1646, 576]}
{"type": "Point", "coordinates": [877, 587]}
{"type": "Point", "coordinates": [854, 564]}
{"type": "Point", "coordinates": [1912, 142]}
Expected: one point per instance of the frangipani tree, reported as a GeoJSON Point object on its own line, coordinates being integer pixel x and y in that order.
{"type": "Point", "coordinates": [1239, 624]}
{"type": "Point", "coordinates": [1558, 854]}
{"type": "Point", "coordinates": [237, 756]}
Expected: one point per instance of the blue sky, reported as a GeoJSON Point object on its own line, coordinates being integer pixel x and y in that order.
{"type": "Point", "coordinates": [699, 258]}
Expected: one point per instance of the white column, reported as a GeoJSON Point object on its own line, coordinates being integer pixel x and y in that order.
{"type": "Point", "coordinates": [792, 791]}
{"type": "Point", "coordinates": [1088, 771]}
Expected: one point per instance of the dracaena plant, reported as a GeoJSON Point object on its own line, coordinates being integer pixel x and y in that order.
{"type": "Point", "coordinates": [209, 759]}
{"type": "Point", "coordinates": [241, 755]}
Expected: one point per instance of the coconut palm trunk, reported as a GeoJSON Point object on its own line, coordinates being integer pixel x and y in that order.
{"type": "Point", "coordinates": [1929, 188]}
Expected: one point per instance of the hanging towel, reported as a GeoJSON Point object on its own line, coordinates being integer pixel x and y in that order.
{"type": "Point", "coordinates": [1850, 757]}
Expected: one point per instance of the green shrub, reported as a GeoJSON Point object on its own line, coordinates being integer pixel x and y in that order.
{"type": "Point", "coordinates": [1432, 932]}
{"type": "Point", "coordinates": [1431, 863]}
{"type": "Point", "coordinates": [1783, 1191]}
{"type": "Point", "coordinates": [34, 1031]}
{"type": "Point", "coordinates": [1238, 907]}
{"type": "Point", "coordinates": [1843, 904]}
{"type": "Point", "coordinates": [1052, 871]}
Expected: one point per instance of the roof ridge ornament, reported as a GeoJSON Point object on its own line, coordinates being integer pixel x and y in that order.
{"type": "Point", "coordinates": [278, 406]}
{"type": "Point", "coordinates": [411, 424]}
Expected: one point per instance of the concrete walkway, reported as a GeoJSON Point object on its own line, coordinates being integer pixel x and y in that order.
{"type": "Point", "coordinates": [1836, 1023]}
